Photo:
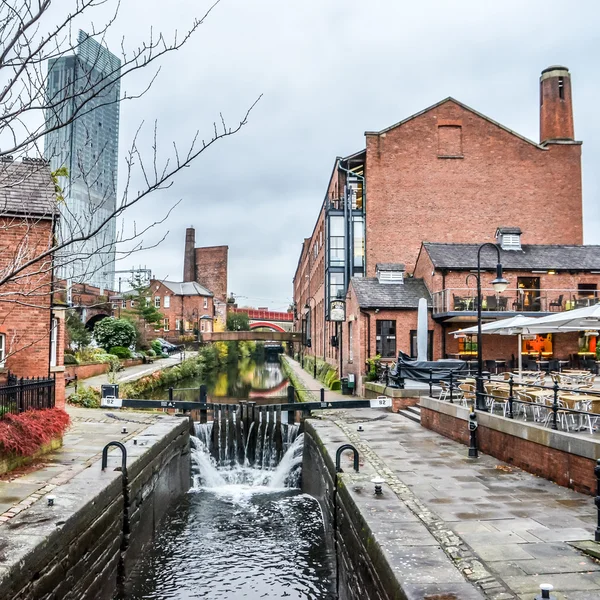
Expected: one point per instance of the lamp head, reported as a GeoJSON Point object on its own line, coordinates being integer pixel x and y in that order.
{"type": "Point", "coordinates": [499, 284]}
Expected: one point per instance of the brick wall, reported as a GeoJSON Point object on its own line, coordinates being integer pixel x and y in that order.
{"type": "Point", "coordinates": [211, 269]}
{"type": "Point", "coordinates": [565, 468]}
{"type": "Point", "coordinates": [499, 179]}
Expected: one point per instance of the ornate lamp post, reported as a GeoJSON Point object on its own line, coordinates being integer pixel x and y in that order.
{"type": "Point", "coordinates": [312, 326]}
{"type": "Point", "coordinates": [499, 284]}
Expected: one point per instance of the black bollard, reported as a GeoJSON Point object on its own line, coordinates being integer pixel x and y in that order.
{"type": "Point", "coordinates": [215, 437]}
{"type": "Point", "coordinates": [451, 386]}
{"type": "Point", "coordinates": [430, 383]}
{"type": "Point", "coordinates": [239, 431]}
{"type": "Point", "coordinates": [322, 395]}
{"type": "Point", "coordinates": [555, 406]}
{"type": "Point", "coordinates": [473, 450]}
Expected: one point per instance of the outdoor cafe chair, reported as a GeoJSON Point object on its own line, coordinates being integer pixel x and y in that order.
{"type": "Point", "coordinates": [499, 397]}
{"type": "Point", "coordinates": [562, 416]}
{"type": "Point", "coordinates": [457, 393]}
{"type": "Point", "coordinates": [468, 391]}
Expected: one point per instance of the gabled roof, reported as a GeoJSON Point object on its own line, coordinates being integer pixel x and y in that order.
{"type": "Point", "coordinates": [535, 257]}
{"type": "Point", "coordinates": [472, 110]}
{"type": "Point", "coordinates": [27, 189]}
{"type": "Point", "coordinates": [372, 294]}
{"type": "Point", "coordinates": [186, 288]}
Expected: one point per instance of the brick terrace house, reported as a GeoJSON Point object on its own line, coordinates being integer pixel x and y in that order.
{"type": "Point", "coordinates": [31, 324]}
{"type": "Point", "coordinates": [446, 175]}
{"type": "Point", "coordinates": [187, 307]}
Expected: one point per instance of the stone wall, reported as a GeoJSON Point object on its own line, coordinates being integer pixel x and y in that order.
{"type": "Point", "coordinates": [93, 369]}
{"type": "Point", "coordinates": [565, 458]}
{"type": "Point", "coordinates": [72, 550]}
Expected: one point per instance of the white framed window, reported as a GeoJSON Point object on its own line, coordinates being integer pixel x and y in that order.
{"type": "Point", "coordinates": [205, 302]}
{"type": "Point", "coordinates": [156, 301]}
{"type": "Point", "coordinates": [178, 324]}
{"type": "Point", "coordinates": [53, 342]}
{"type": "Point", "coordinates": [132, 303]}
{"type": "Point", "coordinates": [167, 301]}
{"type": "Point", "coordinates": [202, 326]}
{"type": "Point", "coordinates": [165, 324]}
{"type": "Point", "coordinates": [2, 349]}
{"type": "Point", "coordinates": [123, 303]}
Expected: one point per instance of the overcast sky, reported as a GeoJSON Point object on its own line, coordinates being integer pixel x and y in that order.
{"type": "Point", "coordinates": [329, 70]}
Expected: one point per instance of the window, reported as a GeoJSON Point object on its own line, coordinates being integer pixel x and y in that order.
{"type": "Point", "coordinates": [468, 345]}
{"type": "Point", "coordinates": [157, 301]}
{"type": "Point", "coordinates": [336, 284]}
{"type": "Point", "coordinates": [385, 341]}
{"type": "Point", "coordinates": [202, 326]}
{"type": "Point", "coordinates": [205, 302]}
{"type": "Point", "coordinates": [359, 243]}
{"type": "Point", "coordinates": [450, 141]}
{"type": "Point", "coordinates": [178, 324]}
{"type": "Point", "coordinates": [53, 342]}
{"type": "Point", "coordinates": [2, 349]}
{"type": "Point", "coordinates": [336, 241]}
{"type": "Point", "coordinates": [587, 343]}
{"type": "Point", "coordinates": [390, 276]}
{"type": "Point", "coordinates": [166, 324]}
{"type": "Point", "coordinates": [537, 346]}
{"type": "Point", "coordinates": [561, 88]}
{"type": "Point", "coordinates": [132, 303]}
{"type": "Point", "coordinates": [123, 303]}
{"type": "Point", "coordinates": [511, 241]}
{"type": "Point", "coordinates": [167, 301]}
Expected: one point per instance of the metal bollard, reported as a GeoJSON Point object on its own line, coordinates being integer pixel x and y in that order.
{"type": "Point", "coordinates": [597, 500]}
{"type": "Point", "coordinates": [473, 450]}
{"type": "Point", "coordinates": [555, 406]}
{"type": "Point", "coordinates": [545, 588]}
{"type": "Point", "coordinates": [291, 399]}
{"type": "Point", "coordinates": [451, 386]}
{"type": "Point", "coordinates": [430, 383]}
{"type": "Point", "coordinates": [322, 394]}
{"type": "Point", "coordinates": [511, 384]}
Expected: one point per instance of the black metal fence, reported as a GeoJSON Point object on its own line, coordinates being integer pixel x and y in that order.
{"type": "Point", "coordinates": [21, 394]}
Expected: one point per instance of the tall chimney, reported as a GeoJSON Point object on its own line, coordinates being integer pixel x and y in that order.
{"type": "Point", "coordinates": [189, 255]}
{"type": "Point", "coordinates": [556, 106]}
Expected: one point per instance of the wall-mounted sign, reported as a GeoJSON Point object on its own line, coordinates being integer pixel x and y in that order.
{"type": "Point", "coordinates": [337, 310]}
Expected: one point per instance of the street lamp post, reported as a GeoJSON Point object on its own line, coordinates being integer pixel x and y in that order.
{"type": "Point", "coordinates": [499, 284]}
{"type": "Point", "coordinates": [312, 325]}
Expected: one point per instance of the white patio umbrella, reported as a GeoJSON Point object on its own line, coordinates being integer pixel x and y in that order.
{"type": "Point", "coordinates": [579, 319]}
{"type": "Point", "coordinates": [516, 325]}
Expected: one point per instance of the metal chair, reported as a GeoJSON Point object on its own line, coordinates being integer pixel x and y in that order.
{"type": "Point", "coordinates": [558, 303]}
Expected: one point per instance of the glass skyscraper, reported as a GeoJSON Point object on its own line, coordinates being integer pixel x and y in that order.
{"type": "Point", "coordinates": [83, 109]}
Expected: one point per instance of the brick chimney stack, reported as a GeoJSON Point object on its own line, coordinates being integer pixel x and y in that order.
{"type": "Point", "coordinates": [189, 255]}
{"type": "Point", "coordinates": [556, 105]}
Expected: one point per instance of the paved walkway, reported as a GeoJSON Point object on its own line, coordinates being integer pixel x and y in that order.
{"type": "Point", "coordinates": [506, 530]}
{"type": "Point", "coordinates": [90, 431]}
{"type": "Point", "coordinates": [131, 373]}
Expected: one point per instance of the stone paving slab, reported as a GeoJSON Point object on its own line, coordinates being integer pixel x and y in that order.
{"type": "Point", "coordinates": [514, 527]}
{"type": "Point", "coordinates": [90, 431]}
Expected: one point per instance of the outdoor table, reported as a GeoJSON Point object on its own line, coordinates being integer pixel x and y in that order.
{"type": "Point", "coordinates": [578, 402]}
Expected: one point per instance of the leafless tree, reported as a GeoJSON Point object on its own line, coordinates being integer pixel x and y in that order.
{"type": "Point", "coordinates": [33, 109]}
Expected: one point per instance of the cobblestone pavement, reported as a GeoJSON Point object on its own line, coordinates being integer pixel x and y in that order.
{"type": "Point", "coordinates": [90, 431]}
{"type": "Point", "coordinates": [507, 531]}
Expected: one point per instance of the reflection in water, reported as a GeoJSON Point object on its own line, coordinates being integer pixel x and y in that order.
{"type": "Point", "coordinates": [243, 379]}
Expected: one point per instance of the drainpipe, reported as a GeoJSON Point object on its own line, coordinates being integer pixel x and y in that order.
{"type": "Point", "coordinates": [54, 220]}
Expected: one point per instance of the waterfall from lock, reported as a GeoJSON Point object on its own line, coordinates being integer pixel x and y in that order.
{"type": "Point", "coordinates": [269, 455]}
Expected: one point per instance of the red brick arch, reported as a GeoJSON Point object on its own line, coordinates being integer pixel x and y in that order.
{"type": "Point", "coordinates": [271, 326]}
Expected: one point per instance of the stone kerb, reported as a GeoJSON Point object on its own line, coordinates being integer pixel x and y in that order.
{"type": "Point", "coordinates": [400, 398]}
{"type": "Point", "coordinates": [565, 458]}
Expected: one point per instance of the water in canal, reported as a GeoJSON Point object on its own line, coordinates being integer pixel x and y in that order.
{"type": "Point", "coordinates": [242, 532]}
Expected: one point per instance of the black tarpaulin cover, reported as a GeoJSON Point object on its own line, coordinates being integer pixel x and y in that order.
{"type": "Point", "coordinates": [420, 370]}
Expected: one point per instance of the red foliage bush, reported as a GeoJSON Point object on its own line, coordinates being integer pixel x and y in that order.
{"type": "Point", "coordinates": [25, 433]}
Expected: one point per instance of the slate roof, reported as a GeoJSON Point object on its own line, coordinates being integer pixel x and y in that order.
{"type": "Point", "coordinates": [372, 294]}
{"type": "Point", "coordinates": [513, 230]}
{"type": "Point", "coordinates": [536, 257]}
{"type": "Point", "coordinates": [390, 267]}
{"type": "Point", "coordinates": [26, 188]}
{"type": "Point", "coordinates": [187, 288]}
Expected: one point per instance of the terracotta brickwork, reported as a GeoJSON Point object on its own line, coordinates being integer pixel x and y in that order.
{"type": "Point", "coordinates": [211, 270]}
{"type": "Point", "coordinates": [182, 313]}
{"type": "Point", "coordinates": [499, 179]}
{"type": "Point", "coordinates": [564, 468]}
{"type": "Point", "coordinates": [93, 369]}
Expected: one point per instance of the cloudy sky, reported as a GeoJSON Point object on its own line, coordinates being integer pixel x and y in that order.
{"type": "Point", "coordinates": [329, 70]}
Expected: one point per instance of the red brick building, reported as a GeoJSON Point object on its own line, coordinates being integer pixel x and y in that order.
{"type": "Point", "coordinates": [187, 308]}
{"type": "Point", "coordinates": [31, 323]}
{"type": "Point", "coordinates": [446, 175]}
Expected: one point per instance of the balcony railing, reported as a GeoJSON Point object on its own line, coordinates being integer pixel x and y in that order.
{"type": "Point", "coordinates": [518, 300]}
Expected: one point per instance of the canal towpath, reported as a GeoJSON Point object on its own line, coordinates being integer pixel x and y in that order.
{"type": "Point", "coordinates": [504, 530]}
{"type": "Point", "coordinates": [129, 374]}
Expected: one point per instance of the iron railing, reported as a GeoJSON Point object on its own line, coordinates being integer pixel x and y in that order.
{"type": "Point", "coordinates": [22, 394]}
{"type": "Point", "coordinates": [511, 300]}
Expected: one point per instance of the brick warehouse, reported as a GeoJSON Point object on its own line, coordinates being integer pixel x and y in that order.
{"type": "Point", "coordinates": [448, 175]}
{"type": "Point", "coordinates": [31, 325]}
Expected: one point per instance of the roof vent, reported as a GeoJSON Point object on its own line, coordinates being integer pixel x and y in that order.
{"type": "Point", "coordinates": [390, 273]}
{"type": "Point", "coordinates": [509, 238]}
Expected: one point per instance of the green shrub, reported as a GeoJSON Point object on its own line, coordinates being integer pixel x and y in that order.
{"type": "Point", "coordinates": [86, 397]}
{"type": "Point", "coordinates": [150, 353]}
{"type": "Point", "coordinates": [69, 359]}
{"type": "Point", "coordinates": [111, 332]}
{"type": "Point", "coordinates": [156, 347]}
{"type": "Point", "coordinates": [120, 352]}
